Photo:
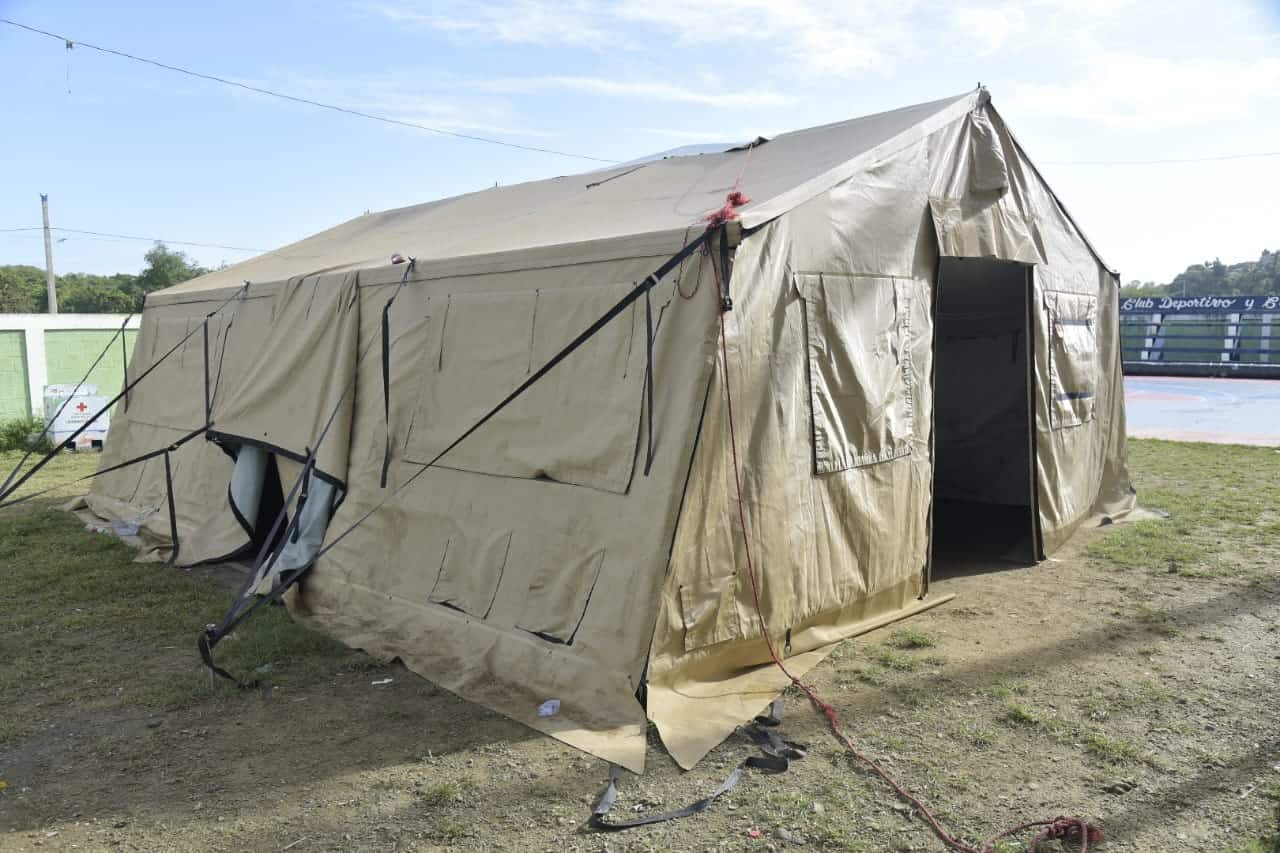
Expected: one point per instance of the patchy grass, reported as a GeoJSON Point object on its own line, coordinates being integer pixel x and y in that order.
{"type": "Point", "coordinates": [85, 624]}
{"type": "Point", "coordinates": [893, 659]}
{"type": "Point", "coordinates": [441, 794]}
{"type": "Point", "coordinates": [1097, 743]}
{"type": "Point", "coordinates": [910, 638]}
{"type": "Point", "coordinates": [1235, 502]}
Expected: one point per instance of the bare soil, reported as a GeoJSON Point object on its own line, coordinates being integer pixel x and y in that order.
{"type": "Point", "coordinates": [1141, 696]}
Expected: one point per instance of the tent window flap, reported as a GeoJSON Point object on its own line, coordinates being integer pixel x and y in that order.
{"type": "Point", "coordinates": [856, 334]}
{"type": "Point", "coordinates": [579, 424]}
{"type": "Point", "coordinates": [470, 572]}
{"type": "Point", "coordinates": [560, 591]}
{"type": "Point", "coordinates": [1073, 356]}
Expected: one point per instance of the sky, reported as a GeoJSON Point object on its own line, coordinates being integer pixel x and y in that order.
{"type": "Point", "coordinates": [126, 148]}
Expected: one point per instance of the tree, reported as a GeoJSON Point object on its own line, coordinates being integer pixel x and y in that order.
{"type": "Point", "coordinates": [79, 293]}
{"type": "Point", "coordinates": [1214, 278]}
{"type": "Point", "coordinates": [22, 290]}
{"type": "Point", "coordinates": [165, 268]}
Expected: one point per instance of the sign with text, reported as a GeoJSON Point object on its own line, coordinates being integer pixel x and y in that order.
{"type": "Point", "coordinates": [1197, 304]}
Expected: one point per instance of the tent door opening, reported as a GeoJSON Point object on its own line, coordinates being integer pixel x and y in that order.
{"type": "Point", "coordinates": [257, 496]}
{"type": "Point", "coordinates": [984, 498]}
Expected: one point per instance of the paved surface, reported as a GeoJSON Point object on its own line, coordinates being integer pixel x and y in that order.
{"type": "Point", "coordinates": [1222, 411]}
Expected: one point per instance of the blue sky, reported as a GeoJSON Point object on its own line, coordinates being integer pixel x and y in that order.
{"type": "Point", "coordinates": [137, 150]}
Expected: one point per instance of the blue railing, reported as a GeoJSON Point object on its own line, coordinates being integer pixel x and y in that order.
{"type": "Point", "coordinates": [1200, 335]}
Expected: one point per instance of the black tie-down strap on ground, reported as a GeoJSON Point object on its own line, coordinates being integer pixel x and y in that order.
{"type": "Point", "coordinates": [772, 715]}
{"type": "Point", "coordinates": [779, 752]}
{"type": "Point", "coordinates": [49, 422]}
{"type": "Point", "coordinates": [127, 388]}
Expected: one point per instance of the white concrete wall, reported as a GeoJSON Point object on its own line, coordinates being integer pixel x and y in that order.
{"type": "Point", "coordinates": [33, 327]}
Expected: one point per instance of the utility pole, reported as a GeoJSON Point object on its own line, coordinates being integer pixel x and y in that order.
{"type": "Point", "coordinates": [48, 257]}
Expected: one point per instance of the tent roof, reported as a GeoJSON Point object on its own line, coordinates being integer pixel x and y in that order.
{"type": "Point", "coordinates": [633, 199]}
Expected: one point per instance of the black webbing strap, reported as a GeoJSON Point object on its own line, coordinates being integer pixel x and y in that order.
{"type": "Point", "coordinates": [222, 353]}
{"type": "Point", "coordinates": [648, 376]}
{"type": "Point", "coordinates": [49, 422]}
{"type": "Point", "coordinates": [238, 613]}
{"type": "Point", "coordinates": [772, 716]}
{"type": "Point", "coordinates": [586, 334]}
{"type": "Point", "coordinates": [124, 365]}
{"type": "Point", "coordinates": [208, 399]}
{"type": "Point", "coordinates": [726, 299]}
{"type": "Point", "coordinates": [386, 375]}
{"type": "Point", "coordinates": [173, 513]}
{"type": "Point", "coordinates": [128, 386]}
{"type": "Point", "coordinates": [778, 754]}
{"type": "Point", "coordinates": [134, 461]}
{"type": "Point", "coordinates": [266, 556]}
{"type": "Point", "coordinates": [598, 821]}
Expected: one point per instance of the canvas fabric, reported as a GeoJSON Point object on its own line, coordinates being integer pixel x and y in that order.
{"type": "Point", "coordinates": [538, 560]}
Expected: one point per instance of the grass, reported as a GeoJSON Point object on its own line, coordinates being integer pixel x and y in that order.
{"type": "Point", "coordinates": [441, 794]}
{"type": "Point", "coordinates": [1111, 750]}
{"type": "Point", "coordinates": [909, 638]}
{"type": "Point", "coordinates": [1234, 507]}
{"type": "Point", "coordinates": [84, 624]}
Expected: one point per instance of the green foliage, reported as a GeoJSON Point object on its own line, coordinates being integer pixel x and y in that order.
{"type": "Point", "coordinates": [166, 268]}
{"type": "Point", "coordinates": [22, 288]}
{"type": "Point", "coordinates": [21, 434]}
{"type": "Point", "coordinates": [1214, 278]}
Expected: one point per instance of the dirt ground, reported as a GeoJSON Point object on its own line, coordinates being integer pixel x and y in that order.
{"type": "Point", "coordinates": [1130, 679]}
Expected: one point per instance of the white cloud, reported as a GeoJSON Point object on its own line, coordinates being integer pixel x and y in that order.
{"type": "Point", "coordinates": [1150, 93]}
{"type": "Point", "coordinates": [517, 21]}
{"type": "Point", "coordinates": [688, 93]}
{"type": "Point", "coordinates": [403, 98]}
{"type": "Point", "coordinates": [800, 37]}
{"type": "Point", "coordinates": [988, 28]}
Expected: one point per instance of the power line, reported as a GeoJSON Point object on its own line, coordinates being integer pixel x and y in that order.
{"type": "Point", "coordinates": [69, 42]}
{"type": "Point", "coordinates": [1209, 159]}
{"type": "Point", "coordinates": [133, 237]}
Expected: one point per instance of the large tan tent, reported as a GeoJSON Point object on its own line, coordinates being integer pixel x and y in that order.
{"type": "Point", "coordinates": [902, 309]}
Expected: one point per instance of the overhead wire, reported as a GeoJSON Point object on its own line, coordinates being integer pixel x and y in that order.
{"type": "Point", "coordinates": [297, 99]}
{"type": "Point", "coordinates": [111, 236]}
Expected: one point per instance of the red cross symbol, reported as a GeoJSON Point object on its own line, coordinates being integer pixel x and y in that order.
{"type": "Point", "coordinates": [80, 407]}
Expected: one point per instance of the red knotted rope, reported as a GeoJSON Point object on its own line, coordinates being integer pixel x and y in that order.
{"type": "Point", "coordinates": [1065, 828]}
{"type": "Point", "coordinates": [735, 199]}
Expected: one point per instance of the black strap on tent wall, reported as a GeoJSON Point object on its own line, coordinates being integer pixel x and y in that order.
{"type": "Point", "coordinates": [49, 422]}
{"type": "Point", "coordinates": [267, 556]}
{"type": "Point", "coordinates": [618, 307]}
{"type": "Point", "coordinates": [648, 377]}
{"type": "Point", "coordinates": [240, 611]}
{"type": "Point", "coordinates": [222, 351]}
{"type": "Point", "coordinates": [386, 380]}
{"type": "Point", "coordinates": [208, 400]}
{"type": "Point", "coordinates": [13, 487]}
{"type": "Point", "coordinates": [173, 512]}
{"type": "Point", "coordinates": [124, 365]}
